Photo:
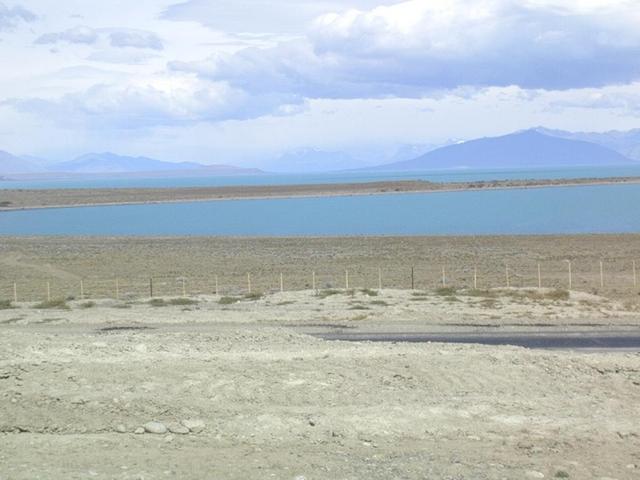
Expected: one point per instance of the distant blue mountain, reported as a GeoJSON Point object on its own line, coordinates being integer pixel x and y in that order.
{"type": "Point", "coordinates": [12, 164]}
{"type": "Point", "coordinates": [529, 148]}
{"type": "Point", "coordinates": [626, 143]}
{"type": "Point", "coordinates": [112, 163]}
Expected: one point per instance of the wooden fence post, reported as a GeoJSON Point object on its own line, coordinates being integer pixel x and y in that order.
{"type": "Point", "coordinates": [475, 277]}
{"type": "Point", "coordinates": [379, 279]}
{"type": "Point", "coordinates": [601, 274]}
{"type": "Point", "coordinates": [570, 275]}
{"type": "Point", "coordinates": [81, 289]}
{"type": "Point", "coordinates": [117, 289]}
{"type": "Point", "coordinates": [506, 273]}
{"type": "Point", "coordinates": [217, 290]}
{"type": "Point", "coordinates": [249, 282]}
{"type": "Point", "coordinates": [539, 276]}
{"type": "Point", "coordinates": [150, 287]}
{"type": "Point", "coordinates": [48, 291]}
{"type": "Point", "coordinates": [412, 279]}
{"type": "Point", "coordinates": [444, 276]}
{"type": "Point", "coordinates": [15, 292]}
{"type": "Point", "coordinates": [346, 279]}
{"type": "Point", "coordinates": [184, 287]}
{"type": "Point", "coordinates": [635, 276]}
{"type": "Point", "coordinates": [281, 283]}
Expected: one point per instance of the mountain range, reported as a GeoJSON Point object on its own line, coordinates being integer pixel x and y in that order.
{"type": "Point", "coordinates": [109, 163]}
{"type": "Point", "coordinates": [538, 147]}
{"type": "Point", "coordinates": [529, 148]}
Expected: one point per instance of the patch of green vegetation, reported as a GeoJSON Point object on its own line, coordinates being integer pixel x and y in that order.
{"type": "Point", "coordinates": [6, 305]}
{"type": "Point", "coordinates": [419, 294]}
{"type": "Point", "coordinates": [88, 304]}
{"type": "Point", "coordinates": [158, 302]}
{"type": "Point", "coordinates": [474, 292]}
{"type": "Point", "coordinates": [419, 299]}
{"type": "Point", "coordinates": [60, 304]}
{"type": "Point", "coordinates": [5, 203]}
{"type": "Point", "coordinates": [561, 474]}
{"type": "Point", "coordinates": [359, 307]}
{"type": "Point", "coordinates": [122, 305]}
{"type": "Point", "coordinates": [446, 291]}
{"type": "Point", "coordinates": [328, 293]}
{"type": "Point", "coordinates": [228, 300]}
{"type": "Point", "coordinates": [253, 296]}
{"type": "Point", "coordinates": [286, 302]}
{"type": "Point", "coordinates": [369, 292]}
{"type": "Point", "coordinates": [183, 301]}
{"type": "Point", "coordinates": [380, 303]}
{"type": "Point", "coordinates": [452, 299]}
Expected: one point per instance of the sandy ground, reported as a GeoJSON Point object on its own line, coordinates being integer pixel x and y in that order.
{"type": "Point", "coordinates": [12, 199]}
{"type": "Point", "coordinates": [101, 262]}
{"type": "Point", "coordinates": [236, 391]}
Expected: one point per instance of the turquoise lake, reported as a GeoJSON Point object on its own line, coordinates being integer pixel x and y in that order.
{"type": "Point", "coordinates": [564, 210]}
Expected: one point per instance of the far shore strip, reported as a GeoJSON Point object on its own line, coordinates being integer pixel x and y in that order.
{"type": "Point", "coordinates": [23, 199]}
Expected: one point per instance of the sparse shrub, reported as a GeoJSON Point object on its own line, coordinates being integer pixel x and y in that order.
{"type": "Point", "coordinates": [446, 291]}
{"type": "Point", "coordinates": [253, 296]}
{"type": "Point", "coordinates": [561, 474]}
{"type": "Point", "coordinates": [158, 302]}
{"type": "Point", "coordinates": [5, 305]}
{"type": "Point", "coordinates": [474, 292]}
{"type": "Point", "coordinates": [369, 292]}
{"type": "Point", "coordinates": [452, 299]}
{"type": "Point", "coordinates": [359, 307]}
{"type": "Point", "coordinates": [88, 305]}
{"type": "Point", "coordinates": [381, 303]}
{"type": "Point", "coordinates": [328, 292]}
{"type": "Point", "coordinates": [183, 301]}
{"type": "Point", "coordinates": [60, 304]}
{"type": "Point", "coordinates": [228, 300]}
{"type": "Point", "coordinates": [558, 294]}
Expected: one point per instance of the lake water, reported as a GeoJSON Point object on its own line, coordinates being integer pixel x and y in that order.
{"type": "Point", "coordinates": [584, 209]}
{"type": "Point", "coordinates": [460, 175]}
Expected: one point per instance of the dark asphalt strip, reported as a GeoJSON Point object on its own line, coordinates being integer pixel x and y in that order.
{"type": "Point", "coordinates": [620, 341]}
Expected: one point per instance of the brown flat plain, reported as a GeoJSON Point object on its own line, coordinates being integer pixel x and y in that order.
{"type": "Point", "coordinates": [12, 199]}
{"type": "Point", "coordinates": [99, 262]}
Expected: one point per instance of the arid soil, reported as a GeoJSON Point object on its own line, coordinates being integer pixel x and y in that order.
{"type": "Point", "coordinates": [213, 388]}
{"type": "Point", "coordinates": [100, 263]}
{"type": "Point", "coordinates": [12, 199]}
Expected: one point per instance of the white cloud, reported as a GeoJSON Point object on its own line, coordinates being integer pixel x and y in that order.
{"type": "Point", "coordinates": [152, 102]}
{"type": "Point", "coordinates": [118, 37]}
{"type": "Point", "coordinates": [418, 46]}
{"type": "Point", "coordinates": [12, 16]}
{"type": "Point", "coordinates": [136, 39]}
{"type": "Point", "coordinates": [80, 34]}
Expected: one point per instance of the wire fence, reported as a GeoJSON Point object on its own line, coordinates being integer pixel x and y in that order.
{"type": "Point", "coordinates": [615, 276]}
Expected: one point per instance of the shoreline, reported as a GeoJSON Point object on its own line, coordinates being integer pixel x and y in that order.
{"type": "Point", "coordinates": [21, 199]}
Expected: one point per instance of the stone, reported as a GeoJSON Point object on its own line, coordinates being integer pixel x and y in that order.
{"type": "Point", "coordinates": [121, 429]}
{"type": "Point", "coordinates": [139, 431]}
{"type": "Point", "coordinates": [178, 429]}
{"type": "Point", "coordinates": [534, 474]}
{"type": "Point", "coordinates": [155, 428]}
{"type": "Point", "coordinates": [194, 425]}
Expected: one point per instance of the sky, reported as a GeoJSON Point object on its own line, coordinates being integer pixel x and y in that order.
{"type": "Point", "coordinates": [240, 81]}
